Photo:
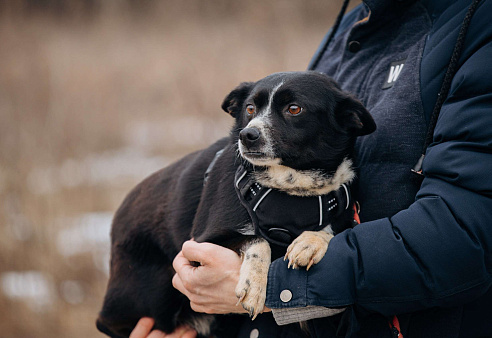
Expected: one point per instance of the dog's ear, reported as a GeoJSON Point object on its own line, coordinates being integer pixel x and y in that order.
{"type": "Point", "coordinates": [233, 102]}
{"type": "Point", "coordinates": [353, 116]}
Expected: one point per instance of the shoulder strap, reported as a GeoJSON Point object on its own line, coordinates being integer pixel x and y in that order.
{"type": "Point", "coordinates": [211, 165]}
{"type": "Point", "coordinates": [446, 83]}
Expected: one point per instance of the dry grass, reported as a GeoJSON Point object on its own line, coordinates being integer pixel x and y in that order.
{"type": "Point", "coordinates": [92, 103]}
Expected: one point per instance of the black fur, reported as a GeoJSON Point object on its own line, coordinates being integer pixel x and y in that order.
{"type": "Point", "coordinates": [173, 205]}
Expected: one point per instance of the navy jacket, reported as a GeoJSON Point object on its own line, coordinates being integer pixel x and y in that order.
{"type": "Point", "coordinates": [424, 249]}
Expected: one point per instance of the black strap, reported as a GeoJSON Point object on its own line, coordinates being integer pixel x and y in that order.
{"type": "Point", "coordinates": [211, 165]}
{"type": "Point", "coordinates": [446, 83]}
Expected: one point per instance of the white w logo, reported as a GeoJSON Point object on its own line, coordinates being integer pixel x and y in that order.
{"type": "Point", "coordinates": [394, 72]}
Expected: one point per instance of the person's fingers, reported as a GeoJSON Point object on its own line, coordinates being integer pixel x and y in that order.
{"type": "Point", "coordinates": [143, 327]}
{"type": "Point", "coordinates": [198, 252]}
{"type": "Point", "coordinates": [180, 332]}
{"type": "Point", "coordinates": [185, 279]}
{"type": "Point", "coordinates": [201, 309]}
{"type": "Point", "coordinates": [145, 324]}
{"type": "Point", "coordinates": [178, 285]}
{"type": "Point", "coordinates": [180, 261]}
{"type": "Point", "coordinates": [206, 253]}
{"type": "Point", "coordinates": [157, 334]}
{"type": "Point", "coordinates": [190, 334]}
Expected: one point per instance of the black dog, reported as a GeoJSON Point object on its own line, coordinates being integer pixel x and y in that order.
{"type": "Point", "coordinates": [283, 170]}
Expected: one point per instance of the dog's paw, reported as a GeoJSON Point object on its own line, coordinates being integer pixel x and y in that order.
{"type": "Point", "coordinates": [251, 288]}
{"type": "Point", "coordinates": [251, 292]}
{"type": "Point", "coordinates": [308, 249]}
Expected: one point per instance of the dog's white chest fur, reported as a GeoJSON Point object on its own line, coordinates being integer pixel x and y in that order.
{"type": "Point", "coordinates": [305, 182]}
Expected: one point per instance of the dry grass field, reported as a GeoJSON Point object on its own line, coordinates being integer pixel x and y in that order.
{"type": "Point", "coordinates": [96, 95]}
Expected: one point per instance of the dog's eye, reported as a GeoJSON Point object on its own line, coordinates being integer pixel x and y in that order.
{"type": "Point", "coordinates": [294, 109]}
{"type": "Point", "coordinates": [250, 109]}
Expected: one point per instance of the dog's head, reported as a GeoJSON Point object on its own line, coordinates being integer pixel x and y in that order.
{"type": "Point", "coordinates": [302, 120]}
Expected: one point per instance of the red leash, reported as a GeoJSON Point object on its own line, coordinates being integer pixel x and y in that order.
{"type": "Point", "coordinates": [395, 328]}
{"type": "Point", "coordinates": [356, 213]}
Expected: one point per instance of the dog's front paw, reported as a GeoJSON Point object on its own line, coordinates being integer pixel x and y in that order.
{"type": "Point", "coordinates": [308, 249]}
{"type": "Point", "coordinates": [251, 293]}
{"type": "Point", "coordinates": [251, 288]}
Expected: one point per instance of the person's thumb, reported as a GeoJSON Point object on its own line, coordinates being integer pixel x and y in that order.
{"type": "Point", "coordinates": [202, 253]}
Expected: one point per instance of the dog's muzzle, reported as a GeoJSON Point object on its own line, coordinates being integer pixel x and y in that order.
{"type": "Point", "coordinates": [249, 137]}
{"type": "Point", "coordinates": [255, 147]}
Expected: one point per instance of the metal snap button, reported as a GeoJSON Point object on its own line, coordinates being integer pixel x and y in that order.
{"type": "Point", "coordinates": [285, 296]}
{"type": "Point", "coordinates": [255, 333]}
{"type": "Point", "coordinates": [354, 46]}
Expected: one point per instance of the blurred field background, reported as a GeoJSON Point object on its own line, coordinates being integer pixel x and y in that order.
{"type": "Point", "coordinates": [94, 96]}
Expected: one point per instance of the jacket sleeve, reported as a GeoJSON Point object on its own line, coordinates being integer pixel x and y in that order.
{"type": "Point", "coordinates": [438, 252]}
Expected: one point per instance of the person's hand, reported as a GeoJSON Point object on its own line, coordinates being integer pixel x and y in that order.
{"type": "Point", "coordinates": [210, 287]}
{"type": "Point", "coordinates": [145, 324]}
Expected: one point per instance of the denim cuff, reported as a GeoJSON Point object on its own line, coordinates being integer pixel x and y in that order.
{"type": "Point", "coordinates": [294, 315]}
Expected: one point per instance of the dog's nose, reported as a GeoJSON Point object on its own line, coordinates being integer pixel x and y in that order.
{"type": "Point", "coordinates": [248, 136]}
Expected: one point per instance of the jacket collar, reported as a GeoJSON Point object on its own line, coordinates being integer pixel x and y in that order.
{"type": "Point", "coordinates": [386, 8]}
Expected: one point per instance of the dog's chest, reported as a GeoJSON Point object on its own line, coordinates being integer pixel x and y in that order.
{"type": "Point", "coordinates": [280, 217]}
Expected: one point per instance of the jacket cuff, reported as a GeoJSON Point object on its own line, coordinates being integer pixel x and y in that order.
{"type": "Point", "coordinates": [286, 287]}
{"type": "Point", "coordinates": [329, 284]}
{"type": "Point", "coordinates": [296, 315]}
